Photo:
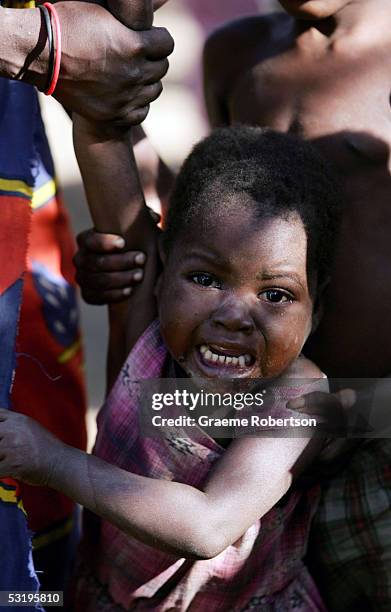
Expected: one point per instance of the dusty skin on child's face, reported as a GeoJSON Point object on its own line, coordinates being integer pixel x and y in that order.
{"type": "Point", "coordinates": [234, 300]}
{"type": "Point", "coordinates": [313, 9]}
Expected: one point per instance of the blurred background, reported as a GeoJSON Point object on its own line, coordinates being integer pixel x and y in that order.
{"type": "Point", "coordinates": [177, 120]}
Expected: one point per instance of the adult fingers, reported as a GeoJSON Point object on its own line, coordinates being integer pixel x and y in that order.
{"type": "Point", "coordinates": [151, 92]}
{"type": "Point", "coordinates": [139, 104]}
{"type": "Point", "coordinates": [134, 116]}
{"type": "Point", "coordinates": [154, 71]}
{"type": "Point", "coordinates": [157, 43]}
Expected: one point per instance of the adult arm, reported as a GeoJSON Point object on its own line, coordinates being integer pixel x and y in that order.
{"type": "Point", "coordinates": [21, 35]}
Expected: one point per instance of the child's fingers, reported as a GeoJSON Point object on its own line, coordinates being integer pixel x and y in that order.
{"type": "Point", "coordinates": [99, 242]}
{"type": "Point", "coordinates": [347, 397]}
{"type": "Point", "coordinates": [326, 407]}
{"type": "Point", "coordinates": [122, 262]}
{"type": "Point", "coordinates": [318, 401]}
{"type": "Point", "coordinates": [104, 281]}
{"type": "Point", "coordinates": [98, 298]}
{"type": "Point", "coordinates": [312, 403]}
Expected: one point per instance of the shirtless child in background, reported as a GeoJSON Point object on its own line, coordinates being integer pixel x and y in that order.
{"type": "Point", "coordinates": [322, 70]}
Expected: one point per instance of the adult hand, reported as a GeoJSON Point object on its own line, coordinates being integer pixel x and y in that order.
{"type": "Point", "coordinates": [28, 452]}
{"type": "Point", "coordinates": [109, 73]}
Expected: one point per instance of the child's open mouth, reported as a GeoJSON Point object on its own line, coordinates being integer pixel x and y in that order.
{"type": "Point", "coordinates": [231, 359]}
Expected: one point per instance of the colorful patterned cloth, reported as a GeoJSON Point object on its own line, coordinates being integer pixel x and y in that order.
{"type": "Point", "coordinates": [48, 382]}
{"type": "Point", "coordinates": [263, 570]}
{"type": "Point", "coordinates": [38, 315]}
{"type": "Point", "coordinates": [16, 186]}
{"type": "Point", "coordinates": [350, 545]}
{"type": "Point", "coordinates": [35, 235]}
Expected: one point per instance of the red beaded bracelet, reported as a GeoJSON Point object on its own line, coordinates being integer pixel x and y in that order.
{"type": "Point", "coordinates": [57, 61]}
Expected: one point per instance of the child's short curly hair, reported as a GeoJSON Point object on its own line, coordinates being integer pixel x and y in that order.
{"type": "Point", "coordinates": [282, 175]}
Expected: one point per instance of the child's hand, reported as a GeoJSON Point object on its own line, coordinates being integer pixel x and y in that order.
{"type": "Point", "coordinates": [104, 271]}
{"type": "Point", "coordinates": [28, 452]}
{"type": "Point", "coordinates": [330, 409]}
{"type": "Point", "coordinates": [365, 411]}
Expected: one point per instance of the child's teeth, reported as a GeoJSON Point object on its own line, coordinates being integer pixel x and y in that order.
{"type": "Point", "coordinates": [241, 360]}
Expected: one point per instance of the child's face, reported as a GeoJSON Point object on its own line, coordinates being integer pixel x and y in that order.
{"type": "Point", "coordinates": [313, 9]}
{"type": "Point", "coordinates": [234, 300]}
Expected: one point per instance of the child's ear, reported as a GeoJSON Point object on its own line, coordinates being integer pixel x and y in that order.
{"type": "Point", "coordinates": [318, 309]}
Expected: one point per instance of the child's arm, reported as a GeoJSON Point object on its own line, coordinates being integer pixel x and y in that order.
{"type": "Point", "coordinates": [249, 479]}
{"type": "Point", "coordinates": [106, 160]}
{"type": "Point", "coordinates": [117, 206]}
{"type": "Point", "coordinates": [156, 177]}
{"type": "Point", "coordinates": [224, 60]}
{"type": "Point", "coordinates": [216, 76]}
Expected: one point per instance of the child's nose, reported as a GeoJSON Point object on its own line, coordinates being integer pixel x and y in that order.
{"type": "Point", "coordinates": [234, 315]}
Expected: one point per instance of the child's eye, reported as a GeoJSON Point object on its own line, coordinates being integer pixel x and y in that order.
{"type": "Point", "coordinates": [205, 280]}
{"type": "Point", "coordinates": [276, 296]}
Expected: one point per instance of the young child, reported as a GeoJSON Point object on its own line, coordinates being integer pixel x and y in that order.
{"type": "Point", "coordinates": [321, 69]}
{"type": "Point", "coordinates": [187, 524]}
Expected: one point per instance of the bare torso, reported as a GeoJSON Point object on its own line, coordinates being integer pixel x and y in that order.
{"type": "Point", "coordinates": [334, 92]}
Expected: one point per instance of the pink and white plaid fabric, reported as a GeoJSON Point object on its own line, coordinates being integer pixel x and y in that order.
{"type": "Point", "coordinates": [263, 570]}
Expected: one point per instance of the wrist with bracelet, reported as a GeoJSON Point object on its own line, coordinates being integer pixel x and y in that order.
{"type": "Point", "coordinates": [51, 19]}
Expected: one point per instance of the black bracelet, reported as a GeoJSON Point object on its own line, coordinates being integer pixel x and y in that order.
{"type": "Point", "coordinates": [48, 23]}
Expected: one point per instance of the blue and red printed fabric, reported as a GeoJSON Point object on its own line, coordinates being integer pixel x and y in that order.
{"type": "Point", "coordinates": [18, 108]}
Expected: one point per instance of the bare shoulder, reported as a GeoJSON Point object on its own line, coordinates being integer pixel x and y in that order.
{"type": "Point", "coordinates": [240, 30]}
{"type": "Point", "coordinates": [240, 42]}
{"type": "Point", "coordinates": [248, 33]}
